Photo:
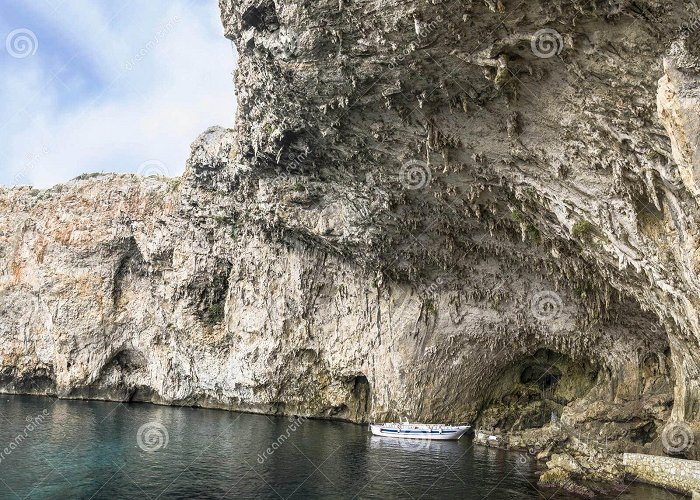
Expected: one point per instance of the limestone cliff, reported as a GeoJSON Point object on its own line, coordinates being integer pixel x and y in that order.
{"type": "Point", "coordinates": [465, 210]}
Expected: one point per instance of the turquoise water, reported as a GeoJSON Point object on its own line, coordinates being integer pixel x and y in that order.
{"type": "Point", "coordinates": [86, 449]}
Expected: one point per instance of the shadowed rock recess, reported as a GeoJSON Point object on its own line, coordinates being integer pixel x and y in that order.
{"type": "Point", "coordinates": [431, 209]}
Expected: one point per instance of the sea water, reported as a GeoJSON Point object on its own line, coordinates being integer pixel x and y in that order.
{"type": "Point", "coordinates": [53, 448]}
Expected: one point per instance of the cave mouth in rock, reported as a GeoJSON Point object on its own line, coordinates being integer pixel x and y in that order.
{"type": "Point", "coordinates": [534, 387]}
{"type": "Point", "coordinates": [357, 403]}
{"type": "Point", "coordinates": [543, 375]}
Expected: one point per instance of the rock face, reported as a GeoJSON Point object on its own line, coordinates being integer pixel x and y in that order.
{"type": "Point", "coordinates": [462, 210]}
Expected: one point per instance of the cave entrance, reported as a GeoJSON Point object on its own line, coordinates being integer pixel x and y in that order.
{"type": "Point", "coordinates": [533, 387]}
{"type": "Point", "coordinates": [544, 376]}
{"type": "Point", "coordinates": [356, 404]}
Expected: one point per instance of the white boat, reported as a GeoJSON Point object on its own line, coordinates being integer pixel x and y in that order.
{"type": "Point", "coordinates": [408, 430]}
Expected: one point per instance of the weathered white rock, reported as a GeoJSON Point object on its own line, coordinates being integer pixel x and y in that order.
{"type": "Point", "coordinates": [402, 223]}
{"type": "Point", "coordinates": [679, 112]}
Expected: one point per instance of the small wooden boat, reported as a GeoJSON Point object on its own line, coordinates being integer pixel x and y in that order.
{"type": "Point", "coordinates": [408, 430]}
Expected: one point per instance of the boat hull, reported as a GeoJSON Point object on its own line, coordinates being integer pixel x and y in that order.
{"type": "Point", "coordinates": [420, 432]}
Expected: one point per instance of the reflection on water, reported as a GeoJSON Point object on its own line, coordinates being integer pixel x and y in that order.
{"type": "Point", "coordinates": [88, 449]}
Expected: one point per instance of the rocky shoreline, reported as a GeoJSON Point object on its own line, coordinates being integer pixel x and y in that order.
{"type": "Point", "coordinates": [381, 236]}
{"type": "Point", "coordinates": [565, 463]}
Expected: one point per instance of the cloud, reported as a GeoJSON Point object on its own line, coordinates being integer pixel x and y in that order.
{"type": "Point", "coordinates": [112, 85]}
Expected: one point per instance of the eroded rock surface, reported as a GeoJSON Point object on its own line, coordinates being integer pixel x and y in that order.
{"type": "Point", "coordinates": [436, 210]}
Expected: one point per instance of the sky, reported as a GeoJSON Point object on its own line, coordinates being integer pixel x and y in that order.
{"type": "Point", "coordinates": [108, 86]}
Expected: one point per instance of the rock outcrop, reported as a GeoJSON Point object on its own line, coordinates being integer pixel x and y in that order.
{"type": "Point", "coordinates": [451, 210]}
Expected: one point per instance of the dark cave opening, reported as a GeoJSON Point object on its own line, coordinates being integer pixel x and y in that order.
{"type": "Point", "coordinates": [262, 17]}
{"type": "Point", "coordinates": [357, 403]}
{"type": "Point", "coordinates": [533, 388]}
{"type": "Point", "coordinates": [544, 376]}
{"type": "Point", "coordinates": [359, 395]}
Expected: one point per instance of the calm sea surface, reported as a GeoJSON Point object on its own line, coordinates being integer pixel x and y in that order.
{"type": "Point", "coordinates": [86, 449]}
